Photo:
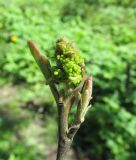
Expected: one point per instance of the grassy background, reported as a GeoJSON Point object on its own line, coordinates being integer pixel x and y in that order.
{"type": "Point", "coordinates": [105, 32]}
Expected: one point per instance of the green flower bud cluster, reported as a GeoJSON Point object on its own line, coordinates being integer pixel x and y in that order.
{"type": "Point", "coordinates": [70, 64]}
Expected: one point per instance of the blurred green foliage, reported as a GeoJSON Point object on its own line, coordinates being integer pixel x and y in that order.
{"type": "Point", "coordinates": [105, 32]}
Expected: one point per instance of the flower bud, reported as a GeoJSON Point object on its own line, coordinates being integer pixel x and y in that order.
{"type": "Point", "coordinates": [87, 92]}
{"type": "Point", "coordinates": [69, 61]}
{"type": "Point", "coordinates": [89, 85]}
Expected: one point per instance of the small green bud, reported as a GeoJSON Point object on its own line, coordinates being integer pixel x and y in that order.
{"type": "Point", "coordinates": [56, 73]}
{"type": "Point", "coordinates": [70, 64]}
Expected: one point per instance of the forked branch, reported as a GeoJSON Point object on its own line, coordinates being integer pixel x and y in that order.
{"type": "Point", "coordinates": [70, 63]}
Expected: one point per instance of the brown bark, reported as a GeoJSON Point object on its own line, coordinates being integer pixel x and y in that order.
{"type": "Point", "coordinates": [63, 148]}
{"type": "Point", "coordinates": [64, 142]}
